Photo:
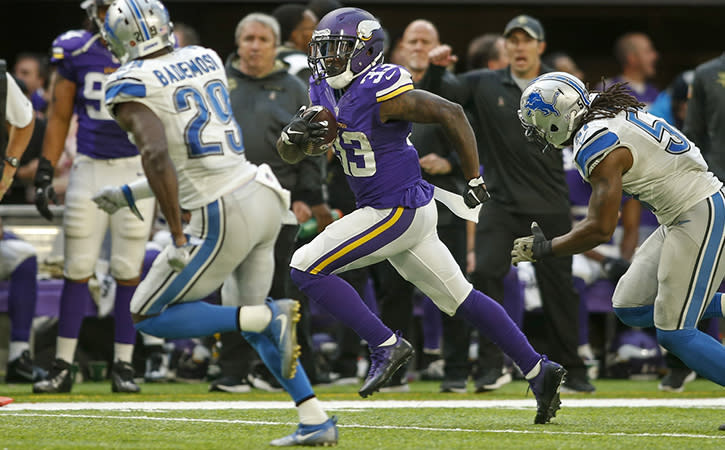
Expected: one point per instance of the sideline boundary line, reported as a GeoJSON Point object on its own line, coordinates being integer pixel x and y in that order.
{"type": "Point", "coordinates": [377, 427]}
{"type": "Point", "coordinates": [530, 403]}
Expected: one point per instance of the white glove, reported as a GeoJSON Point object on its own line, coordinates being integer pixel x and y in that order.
{"type": "Point", "coordinates": [110, 199]}
{"type": "Point", "coordinates": [179, 257]}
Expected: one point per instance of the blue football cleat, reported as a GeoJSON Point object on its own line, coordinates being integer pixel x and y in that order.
{"type": "Point", "coordinates": [324, 434]}
{"type": "Point", "coordinates": [546, 390]}
{"type": "Point", "coordinates": [282, 330]}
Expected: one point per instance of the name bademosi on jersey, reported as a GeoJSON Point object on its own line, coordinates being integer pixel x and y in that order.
{"type": "Point", "coordinates": [379, 161]}
{"type": "Point", "coordinates": [187, 89]}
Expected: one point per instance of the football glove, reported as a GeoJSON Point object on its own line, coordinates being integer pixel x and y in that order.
{"type": "Point", "coordinates": [179, 257]}
{"type": "Point", "coordinates": [531, 248]}
{"type": "Point", "coordinates": [44, 191]}
{"type": "Point", "coordinates": [476, 193]}
{"type": "Point", "coordinates": [302, 133]}
{"type": "Point", "coordinates": [112, 198]}
{"type": "Point", "coordinates": [614, 268]}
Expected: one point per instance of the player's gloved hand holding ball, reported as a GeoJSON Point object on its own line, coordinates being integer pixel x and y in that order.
{"type": "Point", "coordinates": [302, 132]}
{"type": "Point", "coordinates": [44, 191]}
{"type": "Point", "coordinates": [531, 248]}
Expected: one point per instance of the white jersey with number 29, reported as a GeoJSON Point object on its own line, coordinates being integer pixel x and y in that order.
{"type": "Point", "coordinates": [668, 173]}
{"type": "Point", "coordinates": [187, 90]}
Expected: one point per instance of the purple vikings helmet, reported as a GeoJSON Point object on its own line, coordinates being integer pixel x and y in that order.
{"type": "Point", "coordinates": [346, 43]}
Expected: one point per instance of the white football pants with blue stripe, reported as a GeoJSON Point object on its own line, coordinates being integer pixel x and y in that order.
{"type": "Point", "coordinates": [678, 268]}
{"type": "Point", "coordinates": [238, 233]}
{"type": "Point", "coordinates": [673, 278]}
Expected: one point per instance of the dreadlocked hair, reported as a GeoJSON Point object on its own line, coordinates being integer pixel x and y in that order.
{"type": "Point", "coordinates": [610, 101]}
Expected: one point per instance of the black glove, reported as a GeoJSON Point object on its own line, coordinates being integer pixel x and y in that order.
{"type": "Point", "coordinates": [476, 193]}
{"type": "Point", "coordinates": [542, 246]}
{"type": "Point", "coordinates": [614, 268]}
{"type": "Point", "coordinates": [531, 248]}
{"type": "Point", "coordinates": [44, 188]}
{"type": "Point", "coordinates": [303, 133]}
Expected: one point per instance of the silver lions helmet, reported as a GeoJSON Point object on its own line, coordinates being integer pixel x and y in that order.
{"type": "Point", "coordinates": [552, 108]}
{"type": "Point", "coordinates": [136, 28]}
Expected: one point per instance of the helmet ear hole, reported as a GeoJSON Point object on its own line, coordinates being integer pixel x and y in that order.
{"type": "Point", "coordinates": [554, 128]}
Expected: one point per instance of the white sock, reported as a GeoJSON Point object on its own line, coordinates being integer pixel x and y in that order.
{"type": "Point", "coordinates": [122, 352]}
{"type": "Point", "coordinates": [254, 318]}
{"type": "Point", "coordinates": [585, 351]}
{"type": "Point", "coordinates": [311, 412]}
{"type": "Point", "coordinates": [65, 349]}
{"type": "Point", "coordinates": [391, 340]}
{"type": "Point", "coordinates": [16, 349]}
{"type": "Point", "coordinates": [534, 372]}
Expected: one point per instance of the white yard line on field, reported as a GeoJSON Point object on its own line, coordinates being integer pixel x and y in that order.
{"type": "Point", "coordinates": [528, 403]}
{"type": "Point", "coordinates": [373, 427]}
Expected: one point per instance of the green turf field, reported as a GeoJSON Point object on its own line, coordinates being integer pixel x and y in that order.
{"type": "Point", "coordinates": [135, 421]}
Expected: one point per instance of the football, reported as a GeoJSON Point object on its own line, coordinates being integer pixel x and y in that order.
{"type": "Point", "coordinates": [320, 114]}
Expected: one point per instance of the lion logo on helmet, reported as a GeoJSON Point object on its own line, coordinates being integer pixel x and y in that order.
{"type": "Point", "coordinates": [535, 102]}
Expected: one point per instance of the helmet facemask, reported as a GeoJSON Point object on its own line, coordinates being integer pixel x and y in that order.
{"type": "Point", "coordinates": [329, 57]}
{"type": "Point", "coordinates": [533, 133]}
{"type": "Point", "coordinates": [346, 43]}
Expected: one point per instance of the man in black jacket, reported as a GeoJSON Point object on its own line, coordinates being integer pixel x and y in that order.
{"type": "Point", "coordinates": [264, 97]}
{"type": "Point", "coordinates": [526, 185]}
{"type": "Point", "coordinates": [705, 113]}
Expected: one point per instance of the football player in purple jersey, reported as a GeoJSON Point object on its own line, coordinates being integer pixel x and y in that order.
{"type": "Point", "coordinates": [374, 105]}
{"type": "Point", "coordinates": [105, 156]}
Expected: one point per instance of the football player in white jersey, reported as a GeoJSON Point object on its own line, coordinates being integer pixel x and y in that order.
{"type": "Point", "coordinates": [618, 148]}
{"type": "Point", "coordinates": [174, 104]}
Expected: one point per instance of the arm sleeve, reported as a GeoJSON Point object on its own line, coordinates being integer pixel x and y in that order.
{"type": "Point", "coordinates": [437, 81]}
{"type": "Point", "coordinates": [18, 109]}
{"type": "Point", "coordinates": [695, 127]}
{"type": "Point", "coordinates": [432, 79]}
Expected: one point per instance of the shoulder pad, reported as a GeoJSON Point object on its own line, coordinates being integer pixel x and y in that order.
{"type": "Point", "coordinates": [68, 42]}
{"type": "Point", "coordinates": [592, 142]}
{"type": "Point", "coordinates": [387, 80]}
